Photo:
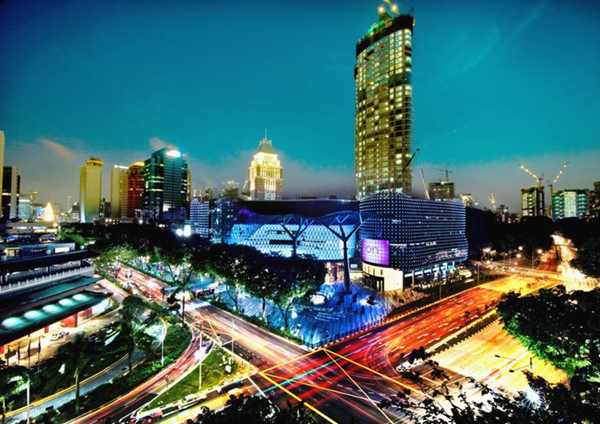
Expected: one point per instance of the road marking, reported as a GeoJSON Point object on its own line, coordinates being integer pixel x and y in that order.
{"type": "Point", "coordinates": [316, 386]}
{"type": "Point", "coordinates": [380, 374]}
{"type": "Point", "coordinates": [360, 388]}
{"type": "Point", "coordinates": [299, 399]}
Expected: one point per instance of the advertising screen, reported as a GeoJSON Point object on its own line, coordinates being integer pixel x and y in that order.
{"type": "Point", "coordinates": [376, 252]}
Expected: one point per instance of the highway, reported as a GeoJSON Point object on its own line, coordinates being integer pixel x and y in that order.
{"type": "Point", "coordinates": [356, 377]}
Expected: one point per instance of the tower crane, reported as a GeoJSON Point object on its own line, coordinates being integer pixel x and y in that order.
{"type": "Point", "coordinates": [425, 185]}
{"type": "Point", "coordinates": [446, 172]}
{"type": "Point", "coordinates": [562, 170]}
{"type": "Point", "coordinates": [539, 180]}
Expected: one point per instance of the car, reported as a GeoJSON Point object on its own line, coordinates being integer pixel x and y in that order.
{"type": "Point", "coordinates": [57, 336]}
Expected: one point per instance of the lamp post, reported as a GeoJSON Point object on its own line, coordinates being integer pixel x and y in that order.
{"type": "Point", "coordinates": [28, 397]}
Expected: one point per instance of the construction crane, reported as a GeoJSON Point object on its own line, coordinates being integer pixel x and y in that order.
{"type": "Point", "coordinates": [539, 180]}
{"type": "Point", "coordinates": [425, 185]}
{"type": "Point", "coordinates": [555, 180]}
{"type": "Point", "coordinates": [446, 172]}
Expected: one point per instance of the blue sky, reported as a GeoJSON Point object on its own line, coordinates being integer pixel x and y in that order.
{"type": "Point", "coordinates": [496, 83]}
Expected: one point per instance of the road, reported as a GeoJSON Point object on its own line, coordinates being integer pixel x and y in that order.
{"type": "Point", "coordinates": [356, 377]}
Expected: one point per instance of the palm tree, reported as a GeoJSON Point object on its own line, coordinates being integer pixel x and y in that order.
{"type": "Point", "coordinates": [79, 354]}
{"type": "Point", "coordinates": [132, 328]}
{"type": "Point", "coordinates": [11, 383]}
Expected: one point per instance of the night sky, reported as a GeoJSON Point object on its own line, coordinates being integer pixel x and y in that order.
{"type": "Point", "coordinates": [495, 84]}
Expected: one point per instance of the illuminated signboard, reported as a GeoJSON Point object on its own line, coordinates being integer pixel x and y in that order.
{"type": "Point", "coordinates": [376, 252]}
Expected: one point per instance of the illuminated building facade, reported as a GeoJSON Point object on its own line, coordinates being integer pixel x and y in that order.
{"type": "Point", "coordinates": [200, 217]}
{"type": "Point", "coordinates": [135, 190]}
{"type": "Point", "coordinates": [383, 105]}
{"type": "Point", "coordinates": [570, 204]}
{"type": "Point", "coordinates": [404, 238]}
{"type": "Point", "coordinates": [90, 189]}
{"type": "Point", "coordinates": [533, 201]}
{"type": "Point", "coordinates": [165, 186]}
{"type": "Point", "coordinates": [11, 191]}
{"type": "Point", "coordinates": [118, 191]}
{"type": "Point", "coordinates": [265, 174]}
{"type": "Point", "coordinates": [284, 226]}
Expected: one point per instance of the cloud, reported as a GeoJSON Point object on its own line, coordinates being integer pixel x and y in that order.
{"type": "Point", "coordinates": [158, 143]}
{"type": "Point", "coordinates": [58, 149]}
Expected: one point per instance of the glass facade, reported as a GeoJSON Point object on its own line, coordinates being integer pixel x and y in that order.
{"type": "Point", "coordinates": [422, 234]}
{"type": "Point", "coordinates": [383, 106]}
{"type": "Point", "coordinates": [165, 186]}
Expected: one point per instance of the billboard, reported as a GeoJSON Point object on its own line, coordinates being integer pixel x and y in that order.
{"type": "Point", "coordinates": [376, 252]}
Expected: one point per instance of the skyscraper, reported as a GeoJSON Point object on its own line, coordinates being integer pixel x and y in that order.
{"type": "Point", "coordinates": [382, 78]}
{"type": "Point", "coordinates": [165, 186]}
{"type": "Point", "coordinates": [135, 190]}
{"type": "Point", "coordinates": [533, 201]}
{"type": "Point", "coordinates": [90, 189]}
{"type": "Point", "coordinates": [265, 174]}
{"type": "Point", "coordinates": [11, 191]}
{"type": "Point", "coordinates": [118, 191]}
{"type": "Point", "coordinates": [200, 217]}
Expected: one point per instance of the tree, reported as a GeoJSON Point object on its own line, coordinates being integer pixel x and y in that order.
{"type": "Point", "coordinates": [588, 258]}
{"type": "Point", "coordinates": [78, 355]}
{"type": "Point", "coordinates": [133, 326]}
{"type": "Point", "coordinates": [179, 272]}
{"type": "Point", "coordinates": [256, 409]}
{"type": "Point", "coordinates": [12, 380]}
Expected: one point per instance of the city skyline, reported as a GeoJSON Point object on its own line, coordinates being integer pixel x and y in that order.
{"type": "Point", "coordinates": [509, 39]}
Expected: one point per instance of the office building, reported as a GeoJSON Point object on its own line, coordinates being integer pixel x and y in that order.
{"type": "Point", "coordinates": [200, 217]}
{"type": "Point", "coordinates": [118, 191]}
{"type": "Point", "coordinates": [90, 190]}
{"type": "Point", "coordinates": [265, 174]}
{"type": "Point", "coordinates": [441, 190]}
{"type": "Point", "coordinates": [166, 186]}
{"type": "Point", "coordinates": [383, 105]}
{"type": "Point", "coordinates": [11, 192]}
{"type": "Point", "coordinates": [135, 190]}
{"type": "Point", "coordinates": [570, 204]}
{"type": "Point", "coordinates": [533, 201]}
{"type": "Point", "coordinates": [405, 239]}
{"type": "Point", "coordinates": [25, 209]}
